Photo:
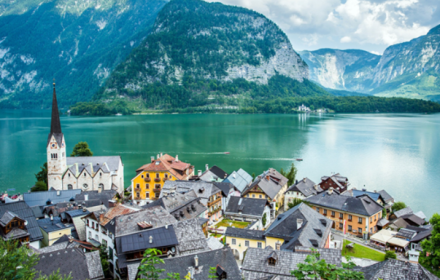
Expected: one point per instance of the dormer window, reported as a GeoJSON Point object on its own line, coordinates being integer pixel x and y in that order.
{"type": "Point", "coordinates": [100, 174]}
{"type": "Point", "coordinates": [272, 258]}
{"type": "Point", "coordinates": [272, 261]}
{"type": "Point", "coordinates": [85, 175]}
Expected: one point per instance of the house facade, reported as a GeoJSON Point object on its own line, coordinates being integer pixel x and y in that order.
{"type": "Point", "coordinates": [336, 181]}
{"type": "Point", "coordinates": [150, 178]}
{"type": "Point", "coordinates": [354, 215]}
{"type": "Point", "coordinates": [300, 190]}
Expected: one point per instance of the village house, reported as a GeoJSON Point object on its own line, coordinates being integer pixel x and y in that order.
{"type": "Point", "coordinates": [396, 269]}
{"type": "Point", "coordinates": [300, 190]}
{"type": "Point", "coordinates": [299, 226]}
{"type": "Point", "coordinates": [213, 174]}
{"type": "Point", "coordinates": [270, 185]}
{"type": "Point", "coordinates": [18, 222]}
{"type": "Point", "coordinates": [376, 196]}
{"type": "Point", "coordinates": [150, 178]}
{"type": "Point", "coordinates": [209, 195]}
{"type": "Point", "coordinates": [249, 210]}
{"type": "Point", "coordinates": [228, 191]}
{"type": "Point", "coordinates": [181, 206]}
{"type": "Point", "coordinates": [277, 264]}
{"type": "Point", "coordinates": [336, 181]}
{"type": "Point", "coordinates": [354, 215]}
{"type": "Point", "coordinates": [52, 229]}
{"type": "Point", "coordinates": [85, 173]}
{"type": "Point", "coordinates": [240, 180]}
{"type": "Point", "coordinates": [197, 266]}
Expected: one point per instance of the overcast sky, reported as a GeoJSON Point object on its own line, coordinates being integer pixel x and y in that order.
{"type": "Point", "coordinates": [371, 25]}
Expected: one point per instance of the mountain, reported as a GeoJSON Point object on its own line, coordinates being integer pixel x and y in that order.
{"type": "Point", "coordinates": [350, 70]}
{"type": "Point", "coordinates": [199, 50]}
{"type": "Point", "coordinates": [77, 42]}
{"type": "Point", "coordinates": [410, 69]}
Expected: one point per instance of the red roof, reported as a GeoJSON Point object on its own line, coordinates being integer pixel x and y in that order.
{"type": "Point", "coordinates": [170, 164]}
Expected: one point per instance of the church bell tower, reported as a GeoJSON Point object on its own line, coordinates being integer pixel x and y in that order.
{"type": "Point", "coordinates": [56, 149]}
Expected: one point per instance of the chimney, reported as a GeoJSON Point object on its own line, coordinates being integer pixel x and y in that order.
{"type": "Point", "coordinates": [101, 217]}
{"type": "Point", "coordinates": [177, 157]}
{"type": "Point", "coordinates": [330, 190]}
{"type": "Point", "coordinates": [152, 159]}
{"type": "Point", "coordinates": [84, 209]}
{"type": "Point", "coordinates": [151, 239]}
{"type": "Point", "coordinates": [51, 217]}
{"type": "Point", "coordinates": [316, 187]}
{"type": "Point", "coordinates": [58, 193]}
{"type": "Point", "coordinates": [299, 223]}
{"type": "Point", "coordinates": [86, 197]}
{"type": "Point", "coordinates": [111, 203]}
{"type": "Point", "coordinates": [161, 155]}
{"type": "Point", "coordinates": [296, 181]}
{"type": "Point", "coordinates": [199, 172]}
{"type": "Point", "coordinates": [206, 167]}
{"type": "Point", "coordinates": [196, 262]}
{"type": "Point", "coordinates": [304, 180]}
{"type": "Point", "coordinates": [157, 156]}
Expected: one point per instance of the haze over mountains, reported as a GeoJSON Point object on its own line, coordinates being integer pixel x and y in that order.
{"type": "Point", "coordinates": [139, 50]}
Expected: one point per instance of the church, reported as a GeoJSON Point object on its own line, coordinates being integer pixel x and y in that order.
{"type": "Point", "coordinates": [85, 173]}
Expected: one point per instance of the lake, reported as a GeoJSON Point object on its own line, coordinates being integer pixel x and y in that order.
{"type": "Point", "coordinates": [396, 152]}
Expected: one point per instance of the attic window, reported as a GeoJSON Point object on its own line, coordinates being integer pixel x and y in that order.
{"type": "Point", "coordinates": [272, 258]}
{"type": "Point", "coordinates": [323, 222]}
{"type": "Point", "coordinates": [85, 174]}
{"type": "Point", "coordinates": [272, 261]}
{"type": "Point", "coordinates": [100, 174]}
{"type": "Point", "coordinates": [314, 243]}
{"type": "Point", "coordinates": [318, 232]}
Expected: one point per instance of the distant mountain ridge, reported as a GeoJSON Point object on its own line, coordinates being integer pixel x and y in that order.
{"type": "Point", "coordinates": [410, 69]}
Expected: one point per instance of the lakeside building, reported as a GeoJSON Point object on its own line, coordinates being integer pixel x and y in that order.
{"type": "Point", "coordinates": [249, 210]}
{"type": "Point", "coordinates": [85, 173]}
{"type": "Point", "coordinates": [355, 215]}
{"type": "Point", "coordinates": [302, 189]}
{"type": "Point", "coordinates": [150, 178]}
{"type": "Point", "coordinates": [213, 174]}
{"type": "Point", "coordinates": [336, 181]}
{"type": "Point", "coordinates": [240, 180]}
{"type": "Point", "coordinates": [52, 229]}
{"type": "Point", "coordinates": [299, 226]}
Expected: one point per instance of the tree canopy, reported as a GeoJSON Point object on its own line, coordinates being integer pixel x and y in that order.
{"type": "Point", "coordinates": [290, 175]}
{"type": "Point", "coordinates": [399, 205]}
{"type": "Point", "coordinates": [41, 184]}
{"type": "Point", "coordinates": [430, 257]}
{"type": "Point", "coordinates": [81, 150]}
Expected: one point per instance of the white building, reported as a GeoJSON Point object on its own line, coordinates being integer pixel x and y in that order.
{"type": "Point", "coordinates": [303, 108]}
{"type": "Point", "coordinates": [85, 173]}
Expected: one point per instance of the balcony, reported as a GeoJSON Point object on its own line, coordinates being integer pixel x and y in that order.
{"type": "Point", "coordinates": [96, 229]}
{"type": "Point", "coordinates": [147, 179]}
{"type": "Point", "coordinates": [157, 180]}
{"type": "Point", "coordinates": [214, 201]}
{"type": "Point", "coordinates": [156, 190]}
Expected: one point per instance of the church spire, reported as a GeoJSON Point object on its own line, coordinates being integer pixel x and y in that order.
{"type": "Point", "coordinates": [55, 126]}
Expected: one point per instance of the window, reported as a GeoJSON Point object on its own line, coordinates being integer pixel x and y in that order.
{"type": "Point", "coordinates": [253, 195]}
{"type": "Point", "coordinates": [68, 175]}
{"type": "Point", "coordinates": [96, 237]}
{"type": "Point", "coordinates": [371, 220]}
{"type": "Point", "coordinates": [69, 187]}
{"type": "Point", "coordinates": [341, 225]}
{"type": "Point", "coordinates": [360, 230]}
{"type": "Point", "coordinates": [246, 243]}
{"type": "Point", "coordinates": [325, 212]}
{"type": "Point", "coordinates": [350, 228]}
{"type": "Point", "coordinates": [157, 195]}
{"type": "Point", "coordinates": [148, 175]}
{"type": "Point", "coordinates": [375, 216]}
{"type": "Point", "coordinates": [157, 175]}
{"type": "Point", "coordinates": [371, 230]}
{"type": "Point", "coordinates": [317, 209]}
{"type": "Point", "coordinates": [90, 234]}
{"type": "Point", "coordinates": [53, 156]}
{"type": "Point", "coordinates": [166, 175]}
{"type": "Point", "coordinates": [104, 242]}
{"type": "Point", "coordinates": [101, 186]}
{"type": "Point", "coordinates": [157, 186]}
{"type": "Point", "coordinates": [85, 174]}
{"type": "Point", "coordinates": [147, 186]}
{"type": "Point", "coordinates": [333, 213]}
{"type": "Point", "coordinates": [110, 252]}
{"type": "Point", "coordinates": [360, 220]}
{"type": "Point", "coordinates": [138, 186]}
{"type": "Point", "coordinates": [259, 245]}
{"type": "Point", "coordinates": [272, 261]}
{"type": "Point", "coordinates": [147, 195]}
{"type": "Point", "coordinates": [341, 216]}
{"type": "Point", "coordinates": [234, 242]}
{"type": "Point", "coordinates": [350, 217]}
{"type": "Point", "coordinates": [142, 176]}
{"type": "Point", "coordinates": [100, 174]}
{"type": "Point", "coordinates": [85, 185]}
{"type": "Point", "coordinates": [261, 196]}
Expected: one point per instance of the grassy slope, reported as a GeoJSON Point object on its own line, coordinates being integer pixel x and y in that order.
{"type": "Point", "coordinates": [360, 251]}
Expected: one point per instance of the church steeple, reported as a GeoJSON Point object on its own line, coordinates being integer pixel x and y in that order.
{"type": "Point", "coordinates": [55, 126]}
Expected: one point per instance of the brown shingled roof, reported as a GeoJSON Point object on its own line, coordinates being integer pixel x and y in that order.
{"type": "Point", "coordinates": [115, 211]}
{"type": "Point", "coordinates": [167, 163]}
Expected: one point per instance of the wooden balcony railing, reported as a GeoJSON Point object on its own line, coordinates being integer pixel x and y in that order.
{"type": "Point", "coordinates": [214, 201]}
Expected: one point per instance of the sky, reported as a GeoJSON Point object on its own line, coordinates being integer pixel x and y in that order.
{"type": "Point", "coordinates": [370, 25]}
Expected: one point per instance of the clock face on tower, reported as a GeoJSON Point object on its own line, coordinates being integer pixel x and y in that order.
{"type": "Point", "coordinates": [53, 145]}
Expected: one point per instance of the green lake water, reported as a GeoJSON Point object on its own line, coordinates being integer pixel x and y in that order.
{"type": "Point", "coordinates": [396, 152]}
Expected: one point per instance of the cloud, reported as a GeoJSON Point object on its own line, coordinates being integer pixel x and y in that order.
{"type": "Point", "coordinates": [346, 39]}
{"type": "Point", "coordinates": [367, 24]}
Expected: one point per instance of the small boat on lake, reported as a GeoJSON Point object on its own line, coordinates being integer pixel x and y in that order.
{"type": "Point", "coordinates": [299, 159]}
{"type": "Point", "coordinates": [227, 153]}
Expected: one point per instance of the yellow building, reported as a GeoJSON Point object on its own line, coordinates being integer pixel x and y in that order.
{"type": "Point", "coordinates": [52, 230]}
{"type": "Point", "coordinates": [150, 178]}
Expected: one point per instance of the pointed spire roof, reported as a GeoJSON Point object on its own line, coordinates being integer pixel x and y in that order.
{"type": "Point", "coordinates": [55, 125]}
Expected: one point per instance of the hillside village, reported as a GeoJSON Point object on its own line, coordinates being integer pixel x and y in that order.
{"type": "Point", "coordinates": [206, 223]}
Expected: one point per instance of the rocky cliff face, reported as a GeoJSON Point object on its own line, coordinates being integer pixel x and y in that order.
{"type": "Point", "coordinates": [198, 40]}
{"type": "Point", "coordinates": [77, 42]}
{"type": "Point", "coordinates": [351, 70]}
{"type": "Point", "coordinates": [410, 69]}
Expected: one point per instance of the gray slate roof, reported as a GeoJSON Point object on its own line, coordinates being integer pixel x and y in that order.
{"type": "Point", "coordinates": [214, 173]}
{"type": "Point", "coordinates": [245, 205]}
{"type": "Point", "coordinates": [93, 164]}
{"type": "Point", "coordinates": [363, 205]}
{"type": "Point", "coordinates": [190, 237]}
{"type": "Point", "coordinates": [214, 243]}
{"type": "Point", "coordinates": [311, 231]}
{"type": "Point", "coordinates": [306, 187]}
{"type": "Point", "coordinates": [245, 233]}
{"type": "Point", "coordinates": [272, 186]}
{"type": "Point", "coordinates": [22, 210]}
{"type": "Point", "coordinates": [48, 225]}
{"type": "Point", "coordinates": [240, 179]}
{"type": "Point", "coordinates": [202, 189]}
{"type": "Point", "coordinates": [102, 197]}
{"type": "Point", "coordinates": [71, 261]}
{"type": "Point", "coordinates": [41, 198]}
{"type": "Point", "coordinates": [7, 217]}
{"type": "Point", "coordinates": [157, 216]}
{"type": "Point", "coordinates": [395, 269]}
{"type": "Point", "coordinates": [386, 196]}
{"type": "Point", "coordinates": [225, 187]}
{"type": "Point", "coordinates": [403, 212]}
{"type": "Point", "coordinates": [222, 257]}
{"type": "Point", "coordinates": [181, 206]}
{"type": "Point", "coordinates": [161, 237]}
{"type": "Point", "coordinates": [256, 266]}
